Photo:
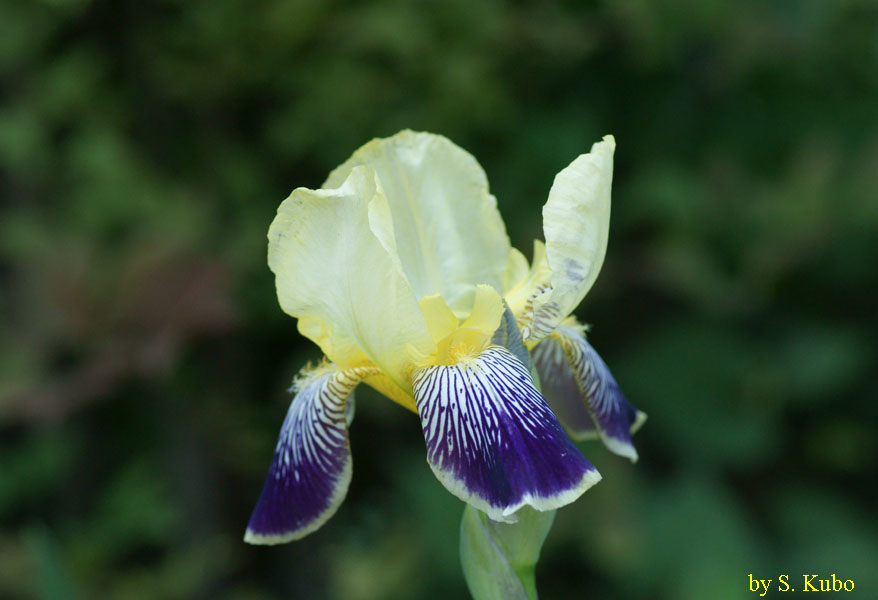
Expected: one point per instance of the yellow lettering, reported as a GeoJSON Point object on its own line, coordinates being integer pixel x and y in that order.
{"type": "Point", "coordinates": [808, 580]}
{"type": "Point", "coordinates": [783, 581]}
{"type": "Point", "coordinates": [761, 584]}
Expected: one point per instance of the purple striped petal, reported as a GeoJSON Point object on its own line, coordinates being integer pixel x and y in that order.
{"type": "Point", "coordinates": [492, 439]}
{"type": "Point", "coordinates": [614, 417]}
{"type": "Point", "coordinates": [561, 390]}
{"type": "Point", "coordinates": [311, 469]}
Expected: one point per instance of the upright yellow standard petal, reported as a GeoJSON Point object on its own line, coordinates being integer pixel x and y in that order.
{"type": "Point", "coordinates": [576, 222]}
{"type": "Point", "coordinates": [446, 230]}
{"type": "Point", "coordinates": [334, 275]}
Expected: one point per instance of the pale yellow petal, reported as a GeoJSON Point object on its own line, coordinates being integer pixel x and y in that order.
{"type": "Point", "coordinates": [517, 270]}
{"type": "Point", "coordinates": [446, 229]}
{"type": "Point", "coordinates": [332, 272]}
{"type": "Point", "coordinates": [576, 221]}
{"type": "Point", "coordinates": [338, 345]}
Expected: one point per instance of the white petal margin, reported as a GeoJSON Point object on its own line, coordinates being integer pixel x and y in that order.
{"type": "Point", "coordinates": [311, 468]}
{"type": "Point", "coordinates": [448, 232]}
{"type": "Point", "coordinates": [334, 274]}
{"type": "Point", "coordinates": [492, 440]}
{"type": "Point", "coordinates": [576, 221]}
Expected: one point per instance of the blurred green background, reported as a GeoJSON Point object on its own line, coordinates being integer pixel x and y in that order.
{"type": "Point", "coordinates": [144, 148]}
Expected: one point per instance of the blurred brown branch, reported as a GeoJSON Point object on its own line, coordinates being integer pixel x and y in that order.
{"type": "Point", "coordinates": [161, 303]}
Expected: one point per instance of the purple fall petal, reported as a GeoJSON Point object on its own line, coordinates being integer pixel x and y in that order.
{"type": "Point", "coordinates": [492, 439]}
{"type": "Point", "coordinates": [561, 390]}
{"type": "Point", "coordinates": [311, 469]}
{"type": "Point", "coordinates": [615, 418]}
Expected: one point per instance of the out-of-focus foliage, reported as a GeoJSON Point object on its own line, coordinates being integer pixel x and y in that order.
{"type": "Point", "coordinates": [144, 147]}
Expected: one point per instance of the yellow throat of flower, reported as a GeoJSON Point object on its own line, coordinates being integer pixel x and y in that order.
{"type": "Point", "coordinates": [455, 341]}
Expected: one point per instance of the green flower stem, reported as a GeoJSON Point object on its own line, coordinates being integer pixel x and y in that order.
{"type": "Point", "coordinates": [499, 558]}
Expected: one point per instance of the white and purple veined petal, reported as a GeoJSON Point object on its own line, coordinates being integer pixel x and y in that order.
{"type": "Point", "coordinates": [614, 418]}
{"type": "Point", "coordinates": [311, 468]}
{"type": "Point", "coordinates": [492, 439]}
{"type": "Point", "coordinates": [561, 391]}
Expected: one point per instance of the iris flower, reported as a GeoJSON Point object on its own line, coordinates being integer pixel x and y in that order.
{"type": "Point", "coordinates": [399, 268]}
